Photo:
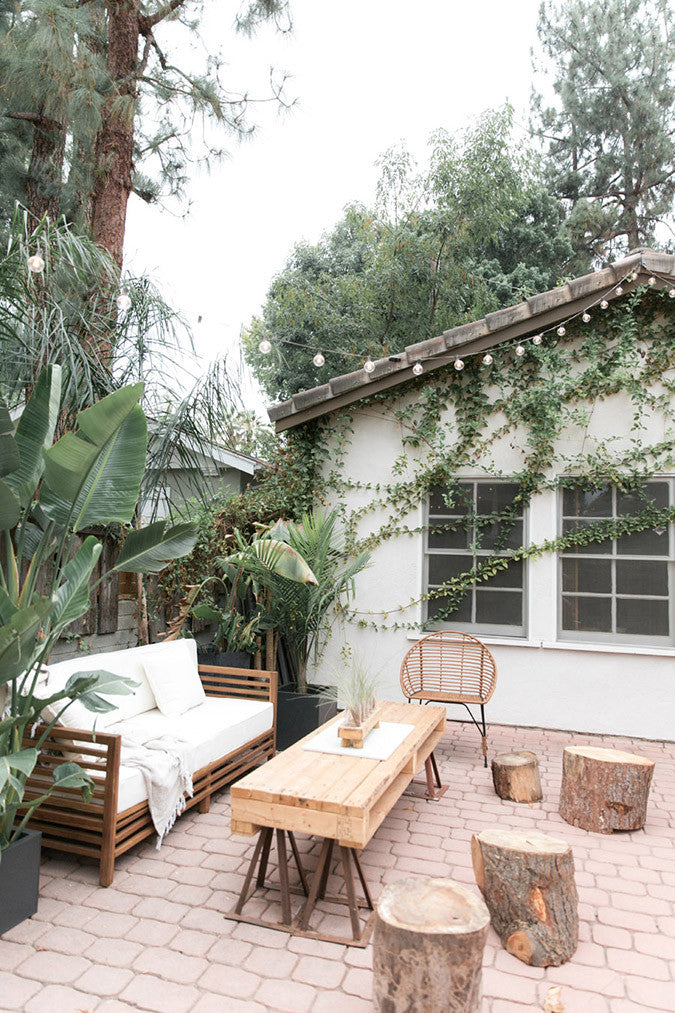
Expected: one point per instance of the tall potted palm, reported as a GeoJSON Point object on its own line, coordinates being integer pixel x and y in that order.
{"type": "Point", "coordinates": [50, 495]}
{"type": "Point", "coordinates": [303, 612]}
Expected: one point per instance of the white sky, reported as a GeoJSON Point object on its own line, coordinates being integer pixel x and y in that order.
{"type": "Point", "coordinates": [366, 74]}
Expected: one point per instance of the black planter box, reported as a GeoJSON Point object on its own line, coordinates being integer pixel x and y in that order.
{"type": "Point", "coordinates": [19, 879]}
{"type": "Point", "coordinates": [298, 714]}
{"type": "Point", "coordinates": [225, 659]}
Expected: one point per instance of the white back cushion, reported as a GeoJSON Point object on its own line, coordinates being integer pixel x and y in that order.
{"type": "Point", "coordinates": [174, 678]}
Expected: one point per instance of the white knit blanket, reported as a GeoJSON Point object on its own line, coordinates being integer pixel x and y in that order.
{"type": "Point", "coordinates": [162, 761]}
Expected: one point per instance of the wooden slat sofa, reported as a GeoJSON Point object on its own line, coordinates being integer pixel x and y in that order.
{"type": "Point", "coordinates": [118, 817]}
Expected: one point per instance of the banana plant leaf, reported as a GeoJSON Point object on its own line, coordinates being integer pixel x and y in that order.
{"type": "Point", "coordinates": [89, 687]}
{"type": "Point", "coordinates": [71, 599]}
{"type": "Point", "coordinates": [17, 639]}
{"type": "Point", "coordinates": [10, 508]}
{"type": "Point", "coordinates": [112, 483]}
{"type": "Point", "coordinates": [35, 433]}
{"type": "Point", "coordinates": [149, 549]}
{"type": "Point", "coordinates": [9, 452]}
{"type": "Point", "coordinates": [69, 462]}
{"type": "Point", "coordinates": [23, 761]}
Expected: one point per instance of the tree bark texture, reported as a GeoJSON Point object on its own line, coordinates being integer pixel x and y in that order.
{"type": "Point", "coordinates": [527, 880]}
{"type": "Point", "coordinates": [45, 170]}
{"type": "Point", "coordinates": [604, 789]}
{"type": "Point", "coordinates": [428, 947]}
{"type": "Point", "coordinates": [516, 776]}
{"type": "Point", "coordinates": [114, 148]}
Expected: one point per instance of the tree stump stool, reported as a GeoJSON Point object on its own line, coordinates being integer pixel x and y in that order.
{"type": "Point", "coordinates": [428, 947]}
{"type": "Point", "coordinates": [604, 789]}
{"type": "Point", "coordinates": [516, 776]}
{"type": "Point", "coordinates": [527, 880]}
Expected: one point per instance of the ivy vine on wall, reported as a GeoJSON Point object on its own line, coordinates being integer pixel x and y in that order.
{"type": "Point", "coordinates": [456, 421]}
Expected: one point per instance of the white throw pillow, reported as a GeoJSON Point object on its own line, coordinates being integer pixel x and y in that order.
{"type": "Point", "coordinates": [174, 678]}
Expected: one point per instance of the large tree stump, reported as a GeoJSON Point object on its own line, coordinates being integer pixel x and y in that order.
{"type": "Point", "coordinates": [527, 880]}
{"type": "Point", "coordinates": [604, 789]}
{"type": "Point", "coordinates": [428, 947]}
{"type": "Point", "coordinates": [516, 776]}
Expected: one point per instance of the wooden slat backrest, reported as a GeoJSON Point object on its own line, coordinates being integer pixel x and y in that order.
{"type": "Point", "coordinates": [449, 662]}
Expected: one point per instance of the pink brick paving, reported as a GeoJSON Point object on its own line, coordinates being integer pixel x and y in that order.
{"type": "Point", "coordinates": [157, 940]}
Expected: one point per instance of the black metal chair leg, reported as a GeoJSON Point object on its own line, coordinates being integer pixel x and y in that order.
{"type": "Point", "coordinates": [482, 717]}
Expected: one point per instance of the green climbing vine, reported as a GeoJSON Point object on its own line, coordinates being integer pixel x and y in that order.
{"type": "Point", "coordinates": [455, 422]}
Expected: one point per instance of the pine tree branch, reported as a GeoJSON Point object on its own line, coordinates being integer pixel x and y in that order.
{"type": "Point", "coordinates": [148, 21]}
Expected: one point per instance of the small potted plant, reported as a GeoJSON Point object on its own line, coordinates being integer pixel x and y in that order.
{"type": "Point", "coordinates": [354, 689]}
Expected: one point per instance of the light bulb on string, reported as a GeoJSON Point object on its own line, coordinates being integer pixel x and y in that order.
{"type": "Point", "coordinates": [671, 293]}
{"type": "Point", "coordinates": [651, 281]}
{"type": "Point", "coordinates": [487, 359]}
{"type": "Point", "coordinates": [561, 331]}
{"type": "Point", "coordinates": [265, 346]}
{"type": "Point", "coordinates": [123, 301]}
{"type": "Point", "coordinates": [604, 304]}
{"type": "Point", "coordinates": [633, 276]}
{"type": "Point", "coordinates": [520, 350]}
{"type": "Point", "coordinates": [36, 264]}
{"type": "Point", "coordinates": [537, 339]}
{"type": "Point", "coordinates": [586, 317]}
{"type": "Point", "coordinates": [319, 360]}
{"type": "Point", "coordinates": [418, 369]}
{"type": "Point", "coordinates": [459, 365]}
{"type": "Point", "coordinates": [369, 365]}
{"type": "Point", "coordinates": [619, 290]}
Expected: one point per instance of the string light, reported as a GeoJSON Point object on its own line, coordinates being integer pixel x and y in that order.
{"type": "Point", "coordinates": [369, 365]}
{"type": "Point", "coordinates": [671, 293]}
{"type": "Point", "coordinates": [651, 281]}
{"type": "Point", "coordinates": [619, 290]}
{"type": "Point", "coordinates": [36, 264]}
{"type": "Point", "coordinates": [418, 369]}
{"type": "Point", "coordinates": [537, 339]}
{"type": "Point", "coordinates": [604, 304]}
{"type": "Point", "coordinates": [123, 301]}
{"type": "Point", "coordinates": [561, 331]}
{"type": "Point", "coordinates": [319, 359]}
{"type": "Point", "coordinates": [633, 276]}
{"type": "Point", "coordinates": [487, 359]}
{"type": "Point", "coordinates": [265, 346]}
{"type": "Point", "coordinates": [586, 316]}
{"type": "Point", "coordinates": [459, 365]}
{"type": "Point", "coordinates": [520, 350]}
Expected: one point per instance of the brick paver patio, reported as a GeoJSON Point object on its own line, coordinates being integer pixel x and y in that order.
{"type": "Point", "coordinates": [157, 939]}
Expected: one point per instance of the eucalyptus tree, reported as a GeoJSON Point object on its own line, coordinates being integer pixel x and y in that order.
{"type": "Point", "coordinates": [608, 116]}
{"type": "Point", "coordinates": [474, 229]}
{"type": "Point", "coordinates": [107, 99]}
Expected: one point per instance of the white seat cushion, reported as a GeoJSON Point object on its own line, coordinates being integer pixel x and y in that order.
{"type": "Point", "coordinates": [212, 730]}
{"type": "Point", "coordinates": [128, 663]}
{"type": "Point", "coordinates": [174, 678]}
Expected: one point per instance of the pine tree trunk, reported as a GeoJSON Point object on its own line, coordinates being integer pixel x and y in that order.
{"type": "Point", "coordinates": [45, 170]}
{"type": "Point", "coordinates": [114, 149]}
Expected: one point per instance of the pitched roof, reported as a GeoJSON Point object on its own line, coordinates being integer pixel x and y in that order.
{"type": "Point", "coordinates": [535, 314]}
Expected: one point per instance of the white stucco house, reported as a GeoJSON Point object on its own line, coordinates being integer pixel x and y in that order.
{"type": "Point", "coordinates": [584, 638]}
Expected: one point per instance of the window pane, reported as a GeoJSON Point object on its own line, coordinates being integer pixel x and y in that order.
{"type": "Point", "coordinates": [587, 502]}
{"type": "Point", "coordinates": [437, 609]}
{"type": "Point", "coordinates": [641, 576]}
{"type": "Point", "coordinates": [499, 535]}
{"type": "Point", "coordinates": [593, 615]}
{"type": "Point", "coordinates": [599, 548]}
{"type": "Point", "coordinates": [499, 608]}
{"type": "Point", "coordinates": [650, 542]}
{"type": "Point", "coordinates": [459, 498]}
{"type": "Point", "coordinates": [649, 618]}
{"type": "Point", "coordinates": [511, 576]}
{"type": "Point", "coordinates": [444, 568]}
{"type": "Point", "coordinates": [495, 497]}
{"type": "Point", "coordinates": [591, 575]}
{"type": "Point", "coordinates": [441, 539]}
{"type": "Point", "coordinates": [652, 494]}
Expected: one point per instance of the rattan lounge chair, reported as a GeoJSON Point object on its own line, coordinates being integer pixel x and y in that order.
{"type": "Point", "coordinates": [451, 667]}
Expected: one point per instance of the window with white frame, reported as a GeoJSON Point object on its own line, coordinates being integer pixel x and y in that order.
{"type": "Point", "coordinates": [620, 589]}
{"type": "Point", "coordinates": [468, 523]}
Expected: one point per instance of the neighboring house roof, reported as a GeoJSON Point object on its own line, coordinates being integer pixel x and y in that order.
{"type": "Point", "coordinates": [218, 454]}
{"type": "Point", "coordinates": [535, 314]}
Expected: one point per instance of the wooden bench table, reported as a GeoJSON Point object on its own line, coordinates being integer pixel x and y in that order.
{"type": "Point", "coordinates": [339, 798]}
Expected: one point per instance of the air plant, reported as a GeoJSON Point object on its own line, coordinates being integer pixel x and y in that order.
{"type": "Point", "coordinates": [355, 689]}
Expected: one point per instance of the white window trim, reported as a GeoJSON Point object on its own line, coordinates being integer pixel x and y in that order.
{"type": "Point", "coordinates": [568, 645]}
